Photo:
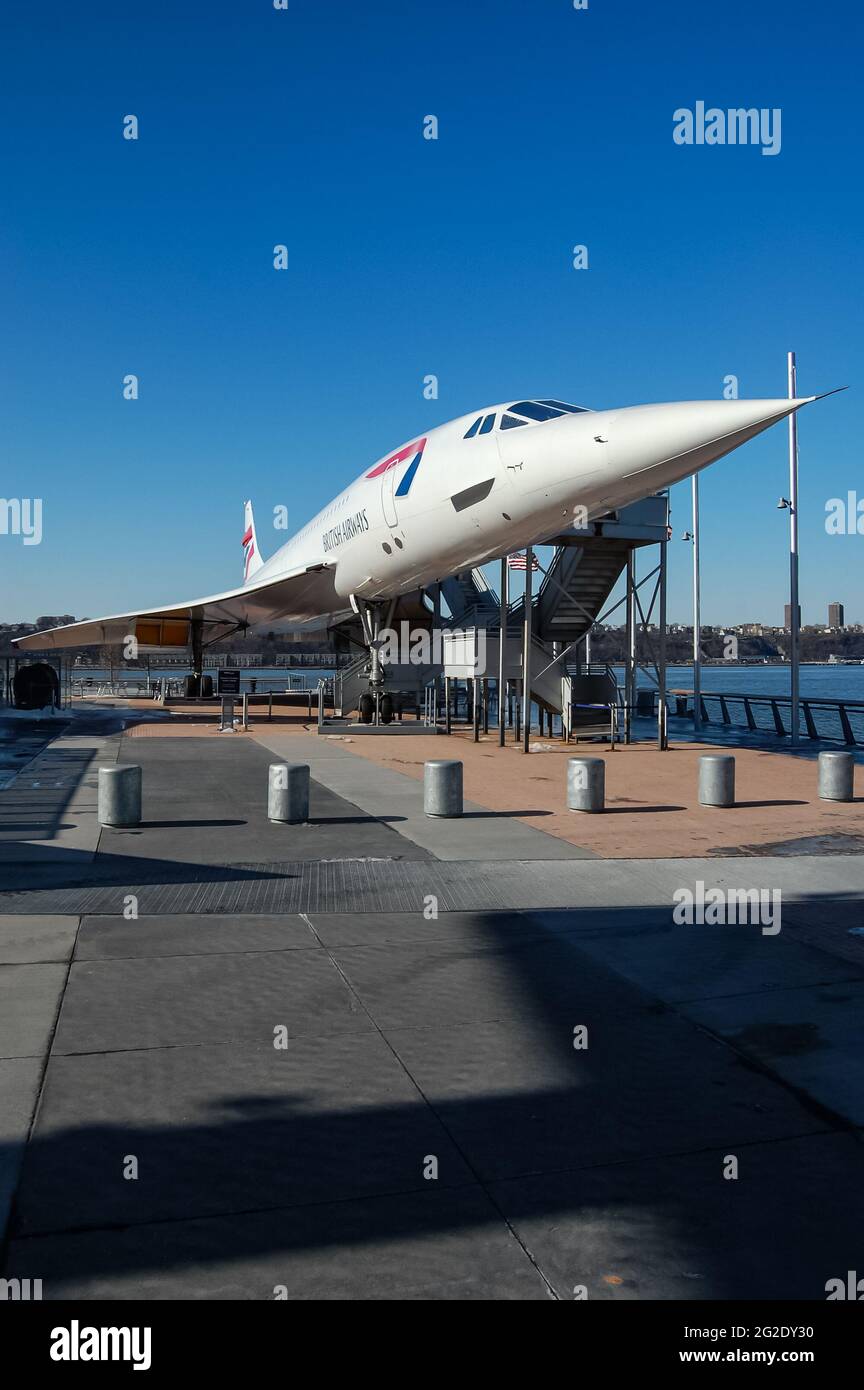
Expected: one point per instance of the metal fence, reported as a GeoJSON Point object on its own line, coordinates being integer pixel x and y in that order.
{"type": "Point", "coordinates": [830, 721]}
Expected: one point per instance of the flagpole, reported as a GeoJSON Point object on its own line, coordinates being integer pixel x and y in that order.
{"type": "Point", "coordinates": [502, 642]}
{"type": "Point", "coordinates": [794, 620]}
{"type": "Point", "coordinates": [526, 652]}
{"type": "Point", "coordinates": [697, 613]}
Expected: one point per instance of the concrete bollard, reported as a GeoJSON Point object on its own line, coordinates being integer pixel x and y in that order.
{"type": "Point", "coordinates": [586, 784]}
{"type": "Point", "coordinates": [716, 779]}
{"type": "Point", "coordinates": [288, 792]}
{"type": "Point", "coordinates": [442, 787]}
{"type": "Point", "coordinates": [118, 800]}
{"type": "Point", "coordinates": [836, 776]}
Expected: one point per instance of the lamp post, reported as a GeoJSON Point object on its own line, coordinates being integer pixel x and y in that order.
{"type": "Point", "coordinates": [790, 504]}
{"type": "Point", "coordinates": [697, 608]}
{"type": "Point", "coordinates": [502, 645]}
{"type": "Point", "coordinates": [526, 651]}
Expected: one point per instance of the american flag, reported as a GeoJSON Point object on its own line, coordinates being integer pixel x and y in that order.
{"type": "Point", "coordinates": [519, 562]}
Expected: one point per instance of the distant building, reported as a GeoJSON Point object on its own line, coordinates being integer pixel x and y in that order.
{"type": "Point", "coordinates": [787, 617]}
{"type": "Point", "coordinates": [750, 630]}
{"type": "Point", "coordinates": [836, 615]}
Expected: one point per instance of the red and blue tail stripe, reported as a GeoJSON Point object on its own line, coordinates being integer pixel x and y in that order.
{"type": "Point", "coordinates": [414, 452]}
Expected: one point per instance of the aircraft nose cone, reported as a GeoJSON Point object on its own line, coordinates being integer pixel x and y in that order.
{"type": "Point", "coordinates": [677, 439]}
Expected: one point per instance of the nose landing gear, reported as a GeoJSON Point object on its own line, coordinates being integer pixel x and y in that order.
{"type": "Point", "coordinates": [374, 706]}
{"type": "Point", "coordinates": [367, 711]}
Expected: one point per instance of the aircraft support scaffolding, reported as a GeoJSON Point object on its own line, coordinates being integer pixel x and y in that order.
{"type": "Point", "coordinates": [554, 628]}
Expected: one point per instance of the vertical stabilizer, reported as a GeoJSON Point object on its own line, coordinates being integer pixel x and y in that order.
{"type": "Point", "coordinates": [252, 560]}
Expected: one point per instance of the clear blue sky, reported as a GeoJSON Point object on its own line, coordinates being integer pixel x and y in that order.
{"type": "Point", "coordinates": [410, 257]}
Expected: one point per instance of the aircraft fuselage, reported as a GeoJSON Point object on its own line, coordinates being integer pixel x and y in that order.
{"type": "Point", "coordinates": [445, 502]}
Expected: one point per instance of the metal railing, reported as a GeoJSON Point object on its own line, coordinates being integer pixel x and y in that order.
{"type": "Point", "coordinates": [247, 661]}
{"type": "Point", "coordinates": [823, 720]}
{"type": "Point", "coordinates": [130, 688]}
{"type": "Point", "coordinates": [431, 699]}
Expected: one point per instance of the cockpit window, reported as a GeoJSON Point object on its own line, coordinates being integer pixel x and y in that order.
{"type": "Point", "coordinates": [487, 424]}
{"type": "Point", "coordinates": [470, 433]}
{"type": "Point", "coordinates": [534, 410]}
{"type": "Point", "coordinates": [570, 409]}
{"type": "Point", "coordinates": [509, 422]}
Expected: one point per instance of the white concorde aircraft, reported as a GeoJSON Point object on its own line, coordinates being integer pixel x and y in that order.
{"type": "Point", "coordinates": [469, 491]}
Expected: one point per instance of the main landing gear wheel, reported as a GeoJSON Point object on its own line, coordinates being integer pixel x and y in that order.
{"type": "Point", "coordinates": [386, 709]}
{"type": "Point", "coordinates": [366, 709]}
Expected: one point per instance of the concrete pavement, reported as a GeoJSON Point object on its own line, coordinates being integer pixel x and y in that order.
{"type": "Point", "coordinates": [447, 1099]}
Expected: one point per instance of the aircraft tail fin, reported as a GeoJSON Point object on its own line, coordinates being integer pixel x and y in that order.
{"type": "Point", "coordinates": [252, 560]}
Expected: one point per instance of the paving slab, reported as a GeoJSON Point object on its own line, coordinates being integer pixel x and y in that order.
{"type": "Point", "coordinates": [174, 1001]}
{"type": "Point", "coordinates": [227, 1128]}
{"type": "Point", "coordinates": [48, 814]}
{"type": "Point", "coordinates": [477, 929]}
{"type": "Point", "coordinates": [844, 914]}
{"type": "Point", "coordinates": [518, 1098]}
{"type": "Point", "coordinates": [439, 984]}
{"type": "Point", "coordinates": [834, 926]}
{"type": "Point", "coordinates": [805, 877]}
{"type": "Point", "coordinates": [680, 962]}
{"type": "Point", "coordinates": [22, 738]}
{"type": "Point", "coordinates": [19, 1090]}
{"type": "Point", "coordinates": [480, 833]}
{"type": "Point", "coordinates": [437, 1244]}
{"type": "Point", "coordinates": [29, 1000]}
{"type": "Point", "coordinates": [675, 1228]}
{"type": "Point", "coordinates": [205, 802]}
{"type": "Point", "coordinates": [185, 934]}
{"type": "Point", "coordinates": [812, 1037]}
{"type": "Point", "coordinates": [28, 939]}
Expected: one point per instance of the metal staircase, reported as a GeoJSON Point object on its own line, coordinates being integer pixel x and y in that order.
{"type": "Point", "coordinates": [577, 586]}
{"type": "Point", "coordinates": [572, 596]}
{"type": "Point", "coordinates": [550, 684]}
{"type": "Point", "coordinates": [575, 589]}
{"type": "Point", "coordinates": [470, 599]}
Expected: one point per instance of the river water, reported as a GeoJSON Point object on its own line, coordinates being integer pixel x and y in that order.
{"type": "Point", "coordinates": [830, 682]}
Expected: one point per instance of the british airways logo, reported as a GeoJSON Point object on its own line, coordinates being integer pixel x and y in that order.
{"type": "Point", "coordinates": [346, 530]}
{"type": "Point", "coordinates": [414, 452]}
